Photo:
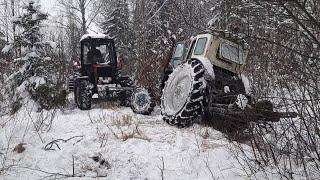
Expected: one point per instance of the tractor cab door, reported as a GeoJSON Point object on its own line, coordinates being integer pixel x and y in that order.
{"type": "Point", "coordinates": [98, 58]}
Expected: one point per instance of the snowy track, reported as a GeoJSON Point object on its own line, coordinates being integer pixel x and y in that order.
{"type": "Point", "coordinates": [135, 147]}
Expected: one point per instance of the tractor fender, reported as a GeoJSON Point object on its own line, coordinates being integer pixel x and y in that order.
{"type": "Point", "coordinates": [82, 78]}
{"type": "Point", "coordinates": [208, 67]}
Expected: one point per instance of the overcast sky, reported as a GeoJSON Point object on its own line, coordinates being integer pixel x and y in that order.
{"type": "Point", "coordinates": [51, 7]}
{"type": "Point", "coordinates": [48, 4]}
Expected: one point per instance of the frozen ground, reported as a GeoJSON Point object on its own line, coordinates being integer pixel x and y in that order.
{"type": "Point", "coordinates": [129, 146]}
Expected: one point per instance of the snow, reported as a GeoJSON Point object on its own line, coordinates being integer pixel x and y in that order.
{"type": "Point", "coordinates": [242, 101]}
{"type": "Point", "coordinates": [208, 66]}
{"type": "Point", "coordinates": [22, 89]}
{"type": "Point", "coordinates": [94, 36]}
{"type": "Point", "coordinates": [7, 48]}
{"type": "Point", "coordinates": [182, 153]}
{"type": "Point", "coordinates": [52, 44]}
{"type": "Point", "coordinates": [32, 55]}
{"type": "Point", "coordinates": [34, 17]}
{"type": "Point", "coordinates": [246, 84]}
{"type": "Point", "coordinates": [16, 19]}
{"type": "Point", "coordinates": [47, 58]}
{"type": "Point", "coordinates": [37, 81]}
{"type": "Point", "coordinates": [213, 21]}
{"type": "Point", "coordinates": [226, 89]}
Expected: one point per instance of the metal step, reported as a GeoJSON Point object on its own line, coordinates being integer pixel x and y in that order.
{"type": "Point", "coordinates": [70, 85]}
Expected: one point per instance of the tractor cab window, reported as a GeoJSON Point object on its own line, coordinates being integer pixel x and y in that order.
{"type": "Point", "coordinates": [178, 55]}
{"type": "Point", "coordinates": [98, 52]}
{"type": "Point", "coordinates": [201, 46]}
{"type": "Point", "coordinates": [233, 53]}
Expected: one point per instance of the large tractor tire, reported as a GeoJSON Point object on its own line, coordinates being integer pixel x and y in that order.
{"type": "Point", "coordinates": [183, 95]}
{"type": "Point", "coordinates": [83, 94]}
{"type": "Point", "coordinates": [142, 102]}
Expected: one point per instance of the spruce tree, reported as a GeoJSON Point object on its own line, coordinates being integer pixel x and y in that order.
{"type": "Point", "coordinates": [34, 76]}
{"type": "Point", "coordinates": [118, 27]}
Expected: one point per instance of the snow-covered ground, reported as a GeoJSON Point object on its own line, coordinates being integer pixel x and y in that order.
{"type": "Point", "coordinates": [129, 146]}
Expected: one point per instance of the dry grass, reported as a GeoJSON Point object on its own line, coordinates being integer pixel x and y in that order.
{"type": "Point", "coordinates": [121, 126]}
{"type": "Point", "coordinates": [122, 120]}
{"type": "Point", "coordinates": [113, 105]}
{"type": "Point", "coordinates": [128, 128]}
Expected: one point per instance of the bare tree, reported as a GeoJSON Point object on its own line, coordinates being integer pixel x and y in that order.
{"type": "Point", "coordinates": [83, 12]}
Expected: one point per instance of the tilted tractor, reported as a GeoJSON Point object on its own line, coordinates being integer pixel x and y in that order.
{"type": "Point", "coordinates": [98, 73]}
{"type": "Point", "coordinates": [207, 80]}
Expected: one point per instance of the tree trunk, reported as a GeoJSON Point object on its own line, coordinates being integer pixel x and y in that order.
{"type": "Point", "coordinates": [83, 16]}
{"type": "Point", "coordinates": [13, 27]}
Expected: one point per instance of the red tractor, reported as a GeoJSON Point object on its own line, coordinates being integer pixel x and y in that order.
{"type": "Point", "coordinates": [98, 73]}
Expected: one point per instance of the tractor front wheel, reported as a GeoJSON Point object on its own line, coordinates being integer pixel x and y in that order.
{"type": "Point", "coordinates": [183, 95]}
{"type": "Point", "coordinates": [83, 94]}
{"type": "Point", "coordinates": [142, 102]}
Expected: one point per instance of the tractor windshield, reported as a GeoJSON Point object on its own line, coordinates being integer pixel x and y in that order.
{"type": "Point", "coordinates": [98, 52]}
{"type": "Point", "coordinates": [179, 54]}
{"type": "Point", "coordinates": [232, 53]}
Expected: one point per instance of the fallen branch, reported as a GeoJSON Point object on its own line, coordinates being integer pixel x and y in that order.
{"type": "Point", "coordinates": [161, 168]}
{"type": "Point", "coordinates": [209, 169]}
{"type": "Point", "coordinates": [49, 146]}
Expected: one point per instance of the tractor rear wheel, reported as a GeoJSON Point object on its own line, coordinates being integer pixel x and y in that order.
{"type": "Point", "coordinates": [183, 95]}
{"type": "Point", "coordinates": [83, 94]}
